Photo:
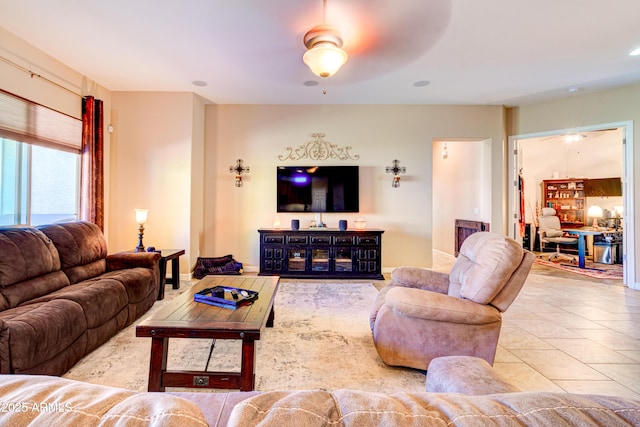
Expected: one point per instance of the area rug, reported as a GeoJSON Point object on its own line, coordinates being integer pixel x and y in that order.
{"type": "Point", "coordinates": [320, 340]}
{"type": "Point", "coordinates": [597, 270]}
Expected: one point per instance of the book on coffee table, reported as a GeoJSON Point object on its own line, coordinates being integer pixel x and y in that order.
{"type": "Point", "coordinates": [226, 297]}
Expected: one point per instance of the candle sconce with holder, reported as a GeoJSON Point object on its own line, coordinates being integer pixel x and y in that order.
{"type": "Point", "coordinates": [396, 170]}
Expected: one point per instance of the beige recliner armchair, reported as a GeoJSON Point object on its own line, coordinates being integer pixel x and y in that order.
{"type": "Point", "coordinates": [423, 314]}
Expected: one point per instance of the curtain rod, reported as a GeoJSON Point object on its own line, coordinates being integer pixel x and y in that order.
{"type": "Point", "coordinates": [34, 75]}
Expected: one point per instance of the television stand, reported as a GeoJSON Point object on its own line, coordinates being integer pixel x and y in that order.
{"type": "Point", "coordinates": [322, 253]}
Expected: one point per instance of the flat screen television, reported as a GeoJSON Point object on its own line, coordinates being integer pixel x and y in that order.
{"type": "Point", "coordinates": [318, 188]}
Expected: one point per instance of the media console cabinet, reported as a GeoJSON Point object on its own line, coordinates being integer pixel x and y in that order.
{"type": "Point", "coordinates": [321, 253]}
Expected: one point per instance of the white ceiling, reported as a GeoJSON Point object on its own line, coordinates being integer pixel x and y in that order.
{"type": "Point", "coordinates": [500, 52]}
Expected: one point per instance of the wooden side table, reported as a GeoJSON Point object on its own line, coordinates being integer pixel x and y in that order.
{"type": "Point", "coordinates": [167, 255]}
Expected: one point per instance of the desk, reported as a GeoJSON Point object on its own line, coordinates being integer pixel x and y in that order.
{"type": "Point", "coordinates": [581, 232]}
{"type": "Point", "coordinates": [167, 255]}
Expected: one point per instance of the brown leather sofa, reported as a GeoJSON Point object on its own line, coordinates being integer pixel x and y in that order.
{"type": "Point", "coordinates": [62, 296]}
{"type": "Point", "coordinates": [423, 314]}
{"type": "Point", "coordinates": [461, 391]}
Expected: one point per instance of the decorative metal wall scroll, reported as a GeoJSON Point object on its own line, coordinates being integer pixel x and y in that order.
{"type": "Point", "coordinates": [319, 149]}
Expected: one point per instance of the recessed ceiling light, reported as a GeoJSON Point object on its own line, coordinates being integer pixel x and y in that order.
{"type": "Point", "coordinates": [199, 83]}
{"type": "Point", "coordinates": [573, 89]}
{"type": "Point", "coordinates": [635, 52]}
{"type": "Point", "coordinates": [311, 83]}
{"type": "Point", "coordinates": [422, 83]}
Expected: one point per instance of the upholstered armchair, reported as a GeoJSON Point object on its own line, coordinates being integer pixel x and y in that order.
{"type": "Point", "coordinates": [423, 314]}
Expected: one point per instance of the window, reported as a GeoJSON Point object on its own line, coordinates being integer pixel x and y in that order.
{"type": "Point", "coordinates": [38, 185]}
{"type": "Point", "coordinates": [39, 163]}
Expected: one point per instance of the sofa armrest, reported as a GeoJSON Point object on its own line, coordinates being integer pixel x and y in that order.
{"type": "Point", "coordinates": [69, 402]}
{"type": "Point", "coordinates": [467, 375]}
{"type": "Point", "coordinates": [440, 308]}
{"type": "Point", "coordinates": [123, 260]}
{"type": "Point", "coordinates": [421, 278]}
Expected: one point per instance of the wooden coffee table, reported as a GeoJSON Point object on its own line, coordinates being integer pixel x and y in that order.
{"type": "Point", "coordinates": [185, 318]}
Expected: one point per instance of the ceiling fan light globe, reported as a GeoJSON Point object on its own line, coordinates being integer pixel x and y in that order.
{"type": "Point", "coordinates": [325, 59]}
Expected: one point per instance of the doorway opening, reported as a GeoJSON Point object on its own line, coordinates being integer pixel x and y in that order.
{"type": "Point", "coordinates": [461, 171]}
{"type": "Point", "coordinates": [602, 151]}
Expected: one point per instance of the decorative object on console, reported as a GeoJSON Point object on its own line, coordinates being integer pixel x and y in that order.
{"type": "Point", "coordinates": [319, 149]}
{"type": "Point", "coordinates": [360, 224]}
{"type": "Point", "coordinates": [396, 170]}
{"type": "Point", "coordinates": [295, 224]}
{"type": "Point", "coordinates": [595, 212]}
{"type": "Point", "coordinates": [239, 169]}
{"type": "Point", "coordinates": [342, 224]}
{"type": "Point", "coordinates": [324, 42]}
{"type": "Point", "coordinates": [141, 219]}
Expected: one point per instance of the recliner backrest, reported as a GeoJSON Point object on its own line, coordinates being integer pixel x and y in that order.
{"type": "Point", "coordinates": [486, 263]}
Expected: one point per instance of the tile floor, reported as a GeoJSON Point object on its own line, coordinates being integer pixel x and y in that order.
{"type": "Point", "coordinates": [571, 333]}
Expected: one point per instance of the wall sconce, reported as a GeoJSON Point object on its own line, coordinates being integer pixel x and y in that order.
{"type": "Point", "coordinates": [595, 211]}
{"type": "Point", "coordinates": [141, 219]}
{"type": "Point", "coordinates": [239, 169]}
{"type": "Point", "coordinates": [396, 171]}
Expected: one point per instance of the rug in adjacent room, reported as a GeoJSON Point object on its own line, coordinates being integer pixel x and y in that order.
{"type": "Point", "coordinates": [321, 339]}
{"type": "Point", "coordinates": [594, 269]}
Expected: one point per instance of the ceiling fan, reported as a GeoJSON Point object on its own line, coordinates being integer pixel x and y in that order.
{"type": "Point", "coordinates": [374, 36]}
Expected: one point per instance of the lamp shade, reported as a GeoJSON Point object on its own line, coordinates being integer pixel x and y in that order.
{"type": "Point", "coordinates": [324, 55]}
{"type": "Point", "coordinates": [325, 59]}
{"type": "Point", "coordinates": [141, 215]}
{"type": "Point", "coordinates": [595, 211]}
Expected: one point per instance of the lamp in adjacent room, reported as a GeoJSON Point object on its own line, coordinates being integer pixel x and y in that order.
{"type": "Point", "coordinates": [595, 212]}
{"type": "Point", "coordinates": [141, 219]}
{"type": "Point", "coordinates": [324, 43]}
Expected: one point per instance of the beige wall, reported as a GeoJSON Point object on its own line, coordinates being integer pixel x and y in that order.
{"type": "Point", "coordinates": [610, 106]}
{"type": "Point", "coordinates": [379, 134]}
{"type": "Point", "coordinates": [157, 147]}
{"type": "Point", "coordinates": [463, 179]}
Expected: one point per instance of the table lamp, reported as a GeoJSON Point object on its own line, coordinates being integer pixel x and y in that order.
{"type": "Point", "coordinates": [595, 212]}
{"type": "Point", "coordinates": [141, 219]}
